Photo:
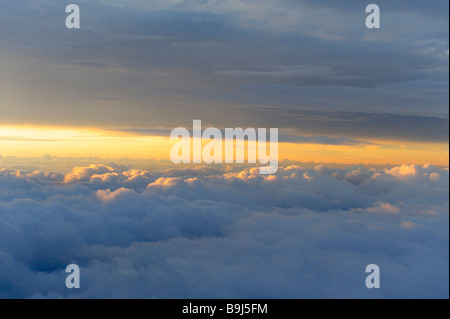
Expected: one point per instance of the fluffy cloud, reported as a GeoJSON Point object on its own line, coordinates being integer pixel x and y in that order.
{"type": "Point", "coordinates": [85, 173]}
{"type": "Point", "coordinates": [220, 233]}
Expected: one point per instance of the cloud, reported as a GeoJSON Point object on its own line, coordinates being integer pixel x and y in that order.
{"type": "Point", "coordinates": [284, 136]}
{"type": "Point", "coordinates": [87, 64]}
{"type": "Point", "coordinates": [182, 60]}
{"type": "Point", "coordinates": [306, 232]}
{"type": "Point", "coordinates": [293, 74]}
{"type": "Point", "coordinates": [85, 173]}
{"type": "Point", "coordinates": [381, 208]}
{"type": "Point", "coordinates": [403, 170]}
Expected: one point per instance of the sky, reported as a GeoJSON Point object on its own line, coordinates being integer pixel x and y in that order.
{"type": "Point", "coordinates": [137, 69]}
{"type": "Point", "coordinates": [85, 171]}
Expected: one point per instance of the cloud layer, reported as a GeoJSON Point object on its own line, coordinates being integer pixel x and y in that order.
{"type": "Point", "coordinates": [297, 64]}
{"type": "Point", "coordinates": [307, 232]}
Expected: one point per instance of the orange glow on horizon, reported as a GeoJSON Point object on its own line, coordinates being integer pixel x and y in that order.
{"type": "Point", "coordinates": [30, 141]}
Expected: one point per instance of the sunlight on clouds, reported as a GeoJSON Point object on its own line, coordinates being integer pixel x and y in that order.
{"type": "Point", "coordinates": [382, 153]}
{"type": "Point", "coordinates": [79, 142]}
{"type": "Point", "coordinates": [26, 141]}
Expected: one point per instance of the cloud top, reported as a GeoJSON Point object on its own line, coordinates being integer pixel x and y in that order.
{"type": "Point", "coordinates": [306, 232]}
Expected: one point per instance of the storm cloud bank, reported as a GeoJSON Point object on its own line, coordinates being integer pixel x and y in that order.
{"type": "Point", "coordinates": [306, 232]}
{"type": "Point", "coordinates": [293, 64]}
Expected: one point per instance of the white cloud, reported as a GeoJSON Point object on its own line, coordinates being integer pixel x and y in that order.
{"type": "Point", "coordinates": [403, 170]}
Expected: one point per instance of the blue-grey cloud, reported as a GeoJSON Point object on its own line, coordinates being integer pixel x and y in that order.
{"type": "Point", "coordinates": [225, 233]}
{"type": "Point", "coordinates": [157, 63]}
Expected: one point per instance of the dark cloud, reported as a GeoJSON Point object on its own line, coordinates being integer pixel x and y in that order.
{"type": "Point", "coordinates": [158, 63]}
{"type": "Point", "coordinates": [88, 64]}
{"type": "Point", "coordinates": [367, 125]}
{"type": "Point", "coordinates": [285, 136]}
